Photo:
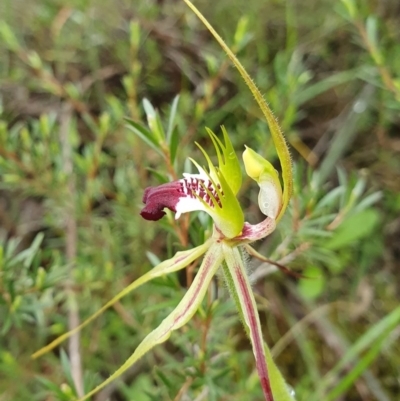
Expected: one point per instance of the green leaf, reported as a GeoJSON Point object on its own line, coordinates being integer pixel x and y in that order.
{"type": "Point", "coordinates": [330, 198]}
{"type": "Point", "coordinates": [8, 37]}
{"type": "Point", "coordinates": [144, 134]}
{"type": "Point", "coordinates": [372, 30]}
{"type": "Point", "coordinates": [354, 228]}
{"type": "Point", "coordinates": [174, 143]}
{"type": "Point", "coordinates": [160, 176]}
{"type": "Point", "coordinates": [312, 91]}
{"type": "Point", "coordinates": [346, 382]}
{"type": "Point", "coordinates": [171, 121]}
{"type": "Point", "coordinates": [134, 37]}
{"type": "Point", "coordinates": [368, 201]}
{"type": "Point", "coordinates": [370, 341]}
{"type": "Point", "coordinates": [66, 367]}
{"type": "Point", "coordinates": [351, 7]}
{"type": "Point", "coordinates": [313, 284]}
{"type": "Point", "coordinates": [154, 121]}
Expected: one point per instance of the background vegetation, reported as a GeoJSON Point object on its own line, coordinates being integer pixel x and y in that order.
{"type": "Point", "coordinates": [73, 173]}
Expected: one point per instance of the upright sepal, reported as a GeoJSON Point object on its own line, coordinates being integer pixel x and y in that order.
{"type": "Point", "coordinates": [277, 135]}
{"type": "Point", "coordinates": [228, 162]}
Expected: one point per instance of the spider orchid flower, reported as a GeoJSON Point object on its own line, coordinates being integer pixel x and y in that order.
{"type": "Point", "coordinates": [213, 190]}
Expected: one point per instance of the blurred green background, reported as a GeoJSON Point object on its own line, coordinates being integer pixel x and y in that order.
{"type": "Point", "coordinates": [72, 174]}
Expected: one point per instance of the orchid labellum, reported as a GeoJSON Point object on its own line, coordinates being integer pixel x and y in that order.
{"type": "Point", "coordinates": [213, 190]}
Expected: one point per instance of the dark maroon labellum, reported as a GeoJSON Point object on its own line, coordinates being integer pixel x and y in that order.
{"type": "Point", "coordinates": [157, 198]}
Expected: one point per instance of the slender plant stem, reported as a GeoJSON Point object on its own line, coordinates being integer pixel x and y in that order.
{"type": "Point", "coordinates": [71, 249]}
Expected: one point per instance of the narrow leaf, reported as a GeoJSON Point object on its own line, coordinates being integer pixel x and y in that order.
{"type": "Point", "coordinates": [174, 143]}
{"type": "Point", "coordinates": [144, 134]}
{"type": "Point", "coordinates": [354, 228]}
{"type": "Point", "coordinates": [171, 121]}
{"type": "Point", "coordinates": [365, 342]}
{"type": "Point", "coordinates": [313, 90]}
{"type": "Point", "coordinates": [355, 372]}
{"type": "Point", "coordinates": [154, 121]}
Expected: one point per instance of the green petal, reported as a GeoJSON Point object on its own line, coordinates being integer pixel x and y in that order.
{"type": "Point", "coordinates": [228, 217]}
{"type": "Point", "coordinates": [179, 317]}
{"type": "Point", "coordinates": [228, 162]}
{"type": "Point", "coordinates": [178, 262]}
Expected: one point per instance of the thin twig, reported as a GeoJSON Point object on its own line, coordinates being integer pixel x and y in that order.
{"type": "Point", "coordinates": [183, 390]}
{"type": "Point", "coordinates": [265, 269]}
{"type": "Point", "coordinates": [71, 249]}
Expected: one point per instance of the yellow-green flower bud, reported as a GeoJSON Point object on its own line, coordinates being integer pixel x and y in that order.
{"type": "Point", "coordinates": [263, 172]}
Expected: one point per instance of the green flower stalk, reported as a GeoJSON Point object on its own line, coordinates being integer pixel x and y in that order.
{"type": "Point", "coordinates": [213, 190]}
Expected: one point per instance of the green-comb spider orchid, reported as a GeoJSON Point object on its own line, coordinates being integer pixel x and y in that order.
{"type": "Point", "coordinates": [214, 191]}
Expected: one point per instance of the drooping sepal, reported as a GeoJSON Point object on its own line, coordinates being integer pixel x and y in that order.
{"type": "Point", "coordinates": [186, 308]}
{"type": "Point", "coordinates": [272, 382]}
{"type": "Point", "coordinates": [239, 285]}
{"type": "Point", "coordinates": [262, 171]}
{"type": "Point", "coordinates": [179, 261]}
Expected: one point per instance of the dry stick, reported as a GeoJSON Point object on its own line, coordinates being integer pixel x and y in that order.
{"type": "Point", "coordinates": [70, 249]}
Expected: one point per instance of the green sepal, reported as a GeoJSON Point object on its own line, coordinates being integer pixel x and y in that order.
{"type": "Point", "coordinates": [228, 162]}
{"type": "Point", "coordinates": [179, 261]}
{"type": "Point", "coordinates": [276, 133]}
{"type": "Point", "coordinates": [235, 259]}
{"type": "Point", "coordinates": [186, 308]}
